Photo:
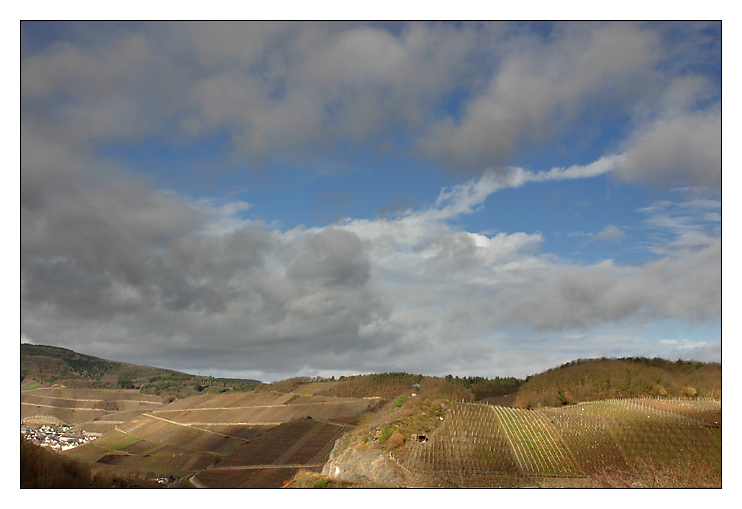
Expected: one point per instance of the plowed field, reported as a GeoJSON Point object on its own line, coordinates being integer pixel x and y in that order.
{"type": "Point", "coordinates": [252, 478]}
{"type": "Point", "coordinates": [301, 442]}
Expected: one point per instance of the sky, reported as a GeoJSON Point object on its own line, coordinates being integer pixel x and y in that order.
{"type": "Point", "coordinates": [267, 200]}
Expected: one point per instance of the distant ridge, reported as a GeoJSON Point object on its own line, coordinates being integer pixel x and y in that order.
{"type": "Point", "coordinates": [573, 382]}
{"type": "Point", "coordinates": [53, 364]}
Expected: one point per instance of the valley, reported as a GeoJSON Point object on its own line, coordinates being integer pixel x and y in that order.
{"type": "Point", "coordinates": [395, 430]}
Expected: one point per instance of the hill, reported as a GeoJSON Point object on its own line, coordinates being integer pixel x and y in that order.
{"type": "Point", "coordinates": [599, 379]}
{"type": "Point", "coordinates": [251, 439]}
{"type": "Point", "coordinates": [588, 423]}
{"type": "Point", "coordinates": [50, 364]}
{"type": "Point", "coordinates": [91, 410]}
{"type": "Point", "coordinates": [395, 384]}
{"type": "Point", "coordinates": [45, 469]}
{"type": "Point", "coordinates": [638, 442]}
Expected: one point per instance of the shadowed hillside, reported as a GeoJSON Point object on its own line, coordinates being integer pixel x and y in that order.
{"type": "Point", "coordinates": [51, 364]}
{"type": "Point", "coordinates": [45, 469]}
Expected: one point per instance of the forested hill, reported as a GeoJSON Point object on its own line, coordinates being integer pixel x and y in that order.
{"type": "Point", "coordinates": [576, 381]}
{"type": "Point", "coordinates": [55, 363]}
{"type": "Point", "coordinates": [50, 364]}
{"type": "Point", "coordinates": [596, 379]}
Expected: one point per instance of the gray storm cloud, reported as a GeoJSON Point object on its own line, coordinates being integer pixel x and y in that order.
{"type": "Point", "coordinates": [686, 288]}
{"type": "Point", "coordinates": [681, 149]}
{"type": "Point", "coordinates": [108, 260]}
{"type": "Point", "coordinates": [135, 273]}
{"type": "Point", "coordinates": [113, 266]}
{"type": "Point", "coordinates": [294, 90]}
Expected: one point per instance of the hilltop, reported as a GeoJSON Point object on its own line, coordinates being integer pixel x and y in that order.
{"type": "Point", "coordinates": [598, 379]}
{"type": "Point", "coordinates": [52, 364]}
{"type": "Point", "coordinates": [577, 381]}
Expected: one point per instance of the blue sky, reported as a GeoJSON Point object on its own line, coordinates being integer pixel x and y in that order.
{"type": "Point", "coordinates": [278, 199]}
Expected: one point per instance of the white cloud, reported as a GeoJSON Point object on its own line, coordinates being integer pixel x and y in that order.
{"type": "Point", "coordinates": [293, 91]}
{"type": "Point", "coordinates": [111, 266]}
{"type": "Point", "coordinates": [611, 233]}
{"type": "Point", "coordinates": [542, 86]}
{"type": "Point", "coordinates": [691, 350]}
{"type": "Point", "coordinates": [130, 272]}
{"type": "Point", "coordinates": [684, 344]}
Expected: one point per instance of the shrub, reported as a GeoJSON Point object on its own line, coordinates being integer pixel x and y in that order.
{"type": "Point", "coordinates": [400, 401]}
{"type": "Point", "coordinates": [385, 434]}
{"type": "Point", "coordinates": [322, 483]}
{"type": "Point", "coordinates": [396, 440]}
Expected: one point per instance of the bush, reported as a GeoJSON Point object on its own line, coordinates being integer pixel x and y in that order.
{"type": "Point", "coordinates": [400, 401]}
{"type": "Point", "coordinates": [322, 483]}
{"type": "Point", "coordinates": [396, 440]}
{"type": "Point", "coordinates": [385, 434]}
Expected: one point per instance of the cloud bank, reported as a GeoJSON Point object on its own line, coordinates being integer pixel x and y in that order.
{"type": "Point", "coordinates": [467, 96]}
{"type": "Point", "coordinates": [126, 271]}
{"type": "Point", "coordinates": [114, 266]}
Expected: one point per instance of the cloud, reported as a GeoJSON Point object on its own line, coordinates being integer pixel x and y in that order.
{"type": "Point", "coordinates": [683, 227]}
{"type": "Point", "coordinates": [542, 86]}
{"type": "Point", "coordinates": [611, 233]}
{"type": "Point", "coordinates": [692, 350]}
{"type": "Point", "coordinates": [396, 205]}
{"type": "Point", "coordinates": [686, 288]}
{"type": "Point", "coordinates": [468, 96]}
{"type": "Point", "coordinates": [114, 267]}
{"type": "Point", "coordinates": [684, 149]}
{"type": "Point", "coordinates": [278, 90]}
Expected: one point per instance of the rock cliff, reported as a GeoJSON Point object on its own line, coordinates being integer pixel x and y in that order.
{"type": "Point", "coordinates": [359, 463]}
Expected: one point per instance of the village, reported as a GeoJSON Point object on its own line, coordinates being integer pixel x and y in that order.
{"type": "Point", "coordinates": [57, 438]}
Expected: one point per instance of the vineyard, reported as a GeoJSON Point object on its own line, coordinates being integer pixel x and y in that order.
{"type": "Point", "coordinates": [261, 408]}
{"type": "Point", "coordinates": [275, 458]}
{"type": "Point", "coordinates": [95, 410]}
{"type": "Point", "coordinates": [233, 439]}
{"type": "Point", "coordinates": [479, 444]}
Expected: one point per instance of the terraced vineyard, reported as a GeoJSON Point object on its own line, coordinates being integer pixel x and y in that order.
{"type": "Point", "coordinates": [261, 408]}
{"type": "Point", "coordinates": [148, 444]}
{"type": "Point", "coordinates": [479, 443]}
{"type": "Point", "coordinates": [275, 458]}
{"type": "Point", "coordinates": [95, 410]}
{"type": "Point", "coordinates": [233, 439]}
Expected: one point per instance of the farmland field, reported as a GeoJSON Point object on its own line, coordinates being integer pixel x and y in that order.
{"type": "Point", "coordinates": [276, 457]}
{"type": "Point", "coordinates": [261, 439]}
{"type": "Point", "coordinates": [479, 444]}
{"type": "Point", "coordinates": [233, 439]}
{"type": "Point", "coordinates": [245, 478]}
{"type": "Point", "coordinates": [301, 442]}
{"type": "Point", "coordinates": [260, 408]}
{"type": "Point", "coordinates": [83, 407]}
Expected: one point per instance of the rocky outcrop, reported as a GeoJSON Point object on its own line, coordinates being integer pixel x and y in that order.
{"type": "Point", "coordinates": [360, 463]}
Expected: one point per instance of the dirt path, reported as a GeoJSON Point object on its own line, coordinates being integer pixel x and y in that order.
{"type": "Point", "coordinates": [192, 426]}
{"type": "Point", "coordinates": [262, 467]}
